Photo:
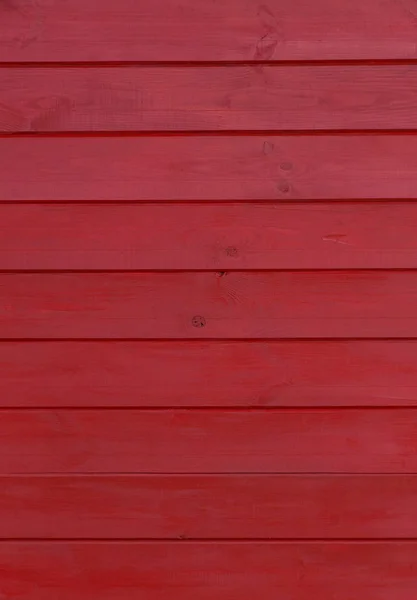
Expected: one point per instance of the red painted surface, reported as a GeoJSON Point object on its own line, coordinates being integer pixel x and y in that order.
{"type": "Point", "coordinates": [184, 30]}
{"type": "Point", "coordinates": [340, 235]}
{"type": "Point", "coordinates": [44, 570]}
{"type": "Point", "coordinates": [235, 374]}
{"type": "Point", "coordinates": [208, 300]}
{"type": "Point", "coordinates": [213, 99]}
{"type": "Point", "coordinates": [209, 441]}
{"type": "Point", "coordinates": [209, 506]}
{"type": "Point", "coordinates": [203, 168]}
{"type": "Point", "coordinates": [213, 305]}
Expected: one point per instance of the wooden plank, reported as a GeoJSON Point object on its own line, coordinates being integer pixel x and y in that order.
{"type": "Point", "coordinates": [127, 30]}
{"type": "Point", "coordinates": [208, 441]}
{"type": "Point", "coordinates": [235, 374]}
{"type": "Point", "coordinates": [213, 236]}
{"type": "Point", "coordinates": [208, 507]}
{"type": "Point", "coordinates": [213, 99]}
{"type": "Point", "coordinates": [186, 305]}
{"type": "Point", "coordinates": [208, 168]}
{"type": "Point", "coordinates": [190, 571]}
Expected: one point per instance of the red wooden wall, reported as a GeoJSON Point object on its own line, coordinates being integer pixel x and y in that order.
{"type": "Point", "coordinates": [208, 299]}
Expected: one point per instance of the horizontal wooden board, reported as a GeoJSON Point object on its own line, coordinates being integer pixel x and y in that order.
{"type": "Point", "coordinates": [202, 571]}
{"type": "Point", "coordinates": [208, 506]}
{"type": "Point", "coordinates": [240, 304]}
{"type": "Point", "coordinates": [213, 99]}
{"type": "Point", "coordinates": [208, 167]}
{"type": "Point", "coordinates": [184, 30]}
{"type": "Point", "coordinates": [208, 373]}
{"type": "Point", "coordinates": [208, 236]}
{"type": "Point", "coordinates": [201, 441]}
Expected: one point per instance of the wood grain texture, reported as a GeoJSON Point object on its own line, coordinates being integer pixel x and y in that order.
{"type": "Point", "coordinates": [202, 571]}
{"type": "Point", "coordinates": [213, 99]}
{"type": "Point", "coordinates": [184, 30]}
{"type": "Point", "coordinates": [197, 305]}
{"type": "Point", "coordinates": [234, 374]}
{"type": "Point", "coordinates": [214, 441]}
{"type": "Point", "coordinates": [208, 168]}
{"type": "Point", "coordinates": [152, 439]}
{"type": "Point", "coordinates": [208, 236]}
{"type": "Point", "coordinates": [208, 507]}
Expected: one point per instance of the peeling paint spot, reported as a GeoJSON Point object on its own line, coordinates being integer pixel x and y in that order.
{"type": "Point", "coordinates": [337, 238]}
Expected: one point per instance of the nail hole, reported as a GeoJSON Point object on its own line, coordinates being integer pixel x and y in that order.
{"type": "Point", "coordinates": [283, 187]}
{"type": "Point", "coordinates": [198, 321]}
{"type": "Point", "coordinates": [221, 273]}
